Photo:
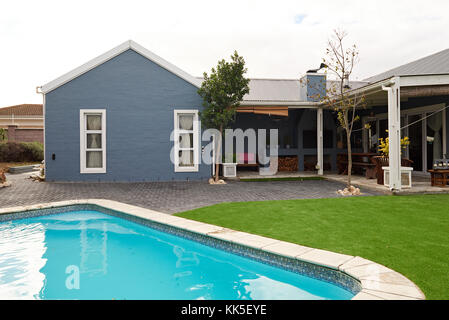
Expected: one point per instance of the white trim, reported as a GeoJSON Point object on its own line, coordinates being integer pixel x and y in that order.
{"type": "Point", "coordinates": [113, 53]}
{"type": "Point", "coordinates": [444, 133]}
{"type": "Point", "coordinates": [43, 132]}
{"type": "Point", "coordinates": [196, 130]}
{"type": "Point", "coordinates": [405, 81]}
{"type": "Point", "coordinates": [424, 80]}
{"type": "Point", "coordinates": [319, 131]}
{"type": "Point", "coordinates": [83, 113]}
{"type": "Point", "coordinates": [281, 103]}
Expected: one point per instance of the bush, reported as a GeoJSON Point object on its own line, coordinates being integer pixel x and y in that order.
{"type": "Point", "coordinates": [21, 151]}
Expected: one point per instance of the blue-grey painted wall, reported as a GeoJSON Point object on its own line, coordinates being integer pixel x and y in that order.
{"type": "Point", "coordinates": [313, 87]}
{"type": "Point", "coordinates": [139, 97]}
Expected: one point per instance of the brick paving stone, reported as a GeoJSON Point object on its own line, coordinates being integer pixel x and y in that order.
{"type": "Point", "coordinates": [167, 197]}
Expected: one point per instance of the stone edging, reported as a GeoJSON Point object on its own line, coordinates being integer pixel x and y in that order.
{"type": "Point", "coordinates": [377, 282]}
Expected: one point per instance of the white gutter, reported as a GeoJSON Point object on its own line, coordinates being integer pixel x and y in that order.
{"type": "Point", "coordinates": [280, 103]}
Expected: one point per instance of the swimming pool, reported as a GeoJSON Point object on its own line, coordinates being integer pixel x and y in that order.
{"type": "Point", "coordinates": [87, 254]}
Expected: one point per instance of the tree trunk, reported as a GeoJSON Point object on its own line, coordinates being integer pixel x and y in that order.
{"type": "Point", "coordinates": [348, 141]}
{"type": "Point", "coordinates": [217, 155]}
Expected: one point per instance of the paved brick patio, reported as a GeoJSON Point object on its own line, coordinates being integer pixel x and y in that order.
{"type": "Point", "coordinates": [168, 197]}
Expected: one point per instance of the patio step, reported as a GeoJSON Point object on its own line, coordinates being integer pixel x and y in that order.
{"type": "Point", "coordinates": [23, 169]}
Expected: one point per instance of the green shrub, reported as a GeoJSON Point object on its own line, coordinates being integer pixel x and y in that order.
{"type": "Point", "coordinates": [3, 135]}
{"type": "Point", "coordinates": [34, 151]}
{"type": "Point", "coordinates": [21, 151]}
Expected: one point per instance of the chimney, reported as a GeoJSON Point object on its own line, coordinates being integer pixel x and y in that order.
{"type": "Point", "coordinates": [313, 86]}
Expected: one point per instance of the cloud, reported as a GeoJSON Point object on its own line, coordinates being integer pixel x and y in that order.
{"type": "Point", "coordinates": [44, 39]}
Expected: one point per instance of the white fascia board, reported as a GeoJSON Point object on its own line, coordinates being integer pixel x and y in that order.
{"type": "Point", "coordinates": [425, 80]}
{"type": "Point", "coordinates": [113, 53]}
{"type": "Point", "coordinates": [165, 64]}
{"type": "Point", "coordinates": [281, 103]}
{"type": "Point", "coordinates": [371, 88]}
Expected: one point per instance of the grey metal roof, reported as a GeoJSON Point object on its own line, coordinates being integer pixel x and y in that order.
{"type": "Point", "coordinates": [278, 90]}
{"type": "Point", "coordinates": [352, 84]}
{"type": "Point", "coordinates": [284, 89]}
{"type": "Point", "coordinates": [437, 63]}
{"type": "Point", "coordinates": [273, 90]}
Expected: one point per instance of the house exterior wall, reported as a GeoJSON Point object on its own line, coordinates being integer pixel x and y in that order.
{"type": "Point", "coordinates": [140, 98]}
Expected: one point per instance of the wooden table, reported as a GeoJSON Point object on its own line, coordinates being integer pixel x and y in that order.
{"type": "Point", "coordinates": [439, 178]}
{"type": "Point", "coordinates": [360, 161]}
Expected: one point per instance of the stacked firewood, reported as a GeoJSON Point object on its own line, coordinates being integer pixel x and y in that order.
{"type": "Point", "coordinates": [288, 164]}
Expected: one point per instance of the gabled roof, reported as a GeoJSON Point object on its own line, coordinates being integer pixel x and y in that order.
{"type": "Point", "coordinates": [434, 64]}
{"type": "Point", "coordinates": [113, 53]}
{"type": "Point", "coordinates": [22, 110]}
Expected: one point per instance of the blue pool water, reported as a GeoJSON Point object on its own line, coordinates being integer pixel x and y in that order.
{"type": "Point", "coordinates": [91, 255]}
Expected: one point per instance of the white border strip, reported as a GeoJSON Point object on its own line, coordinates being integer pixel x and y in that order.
{"type": "Point", "coordinates": [378, 282]}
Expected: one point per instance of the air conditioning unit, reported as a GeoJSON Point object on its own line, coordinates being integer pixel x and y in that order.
{"type": "Point", "coordinates": [230, 170]}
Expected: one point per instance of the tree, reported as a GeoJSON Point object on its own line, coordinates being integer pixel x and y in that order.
{"type": "Point", "coordinates": [340, 62]}
{"type": "Point", "coordinates": [222, 91]}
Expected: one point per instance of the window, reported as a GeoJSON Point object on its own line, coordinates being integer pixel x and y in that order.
{"type": "Point", "coordinates": [93, 141]}
{"type": "Point", "coordinates": [186, 140]}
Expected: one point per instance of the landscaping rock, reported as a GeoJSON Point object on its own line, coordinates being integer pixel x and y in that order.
{"type": "Point", "coordinates": [212, 181]}
{"type": "Point", "coordinates": [5, 184]}
{"type": "Point", "coordinates": [351, 191]}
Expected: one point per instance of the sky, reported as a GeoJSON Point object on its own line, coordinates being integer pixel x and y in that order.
{"type": "Point", "coordinates": [41, 40]}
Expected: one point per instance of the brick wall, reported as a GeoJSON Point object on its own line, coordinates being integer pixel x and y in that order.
{"type": "Point", "coordinates": [25, 135]}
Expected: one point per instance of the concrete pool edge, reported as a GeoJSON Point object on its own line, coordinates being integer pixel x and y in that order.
{"type": "Point", "coordinates": [377, 282]}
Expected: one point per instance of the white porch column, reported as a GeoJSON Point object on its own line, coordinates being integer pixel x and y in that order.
{"type": "Point", "coordinates": [394, 133]}
{"type": "Point", "coordinates": [319, 147]}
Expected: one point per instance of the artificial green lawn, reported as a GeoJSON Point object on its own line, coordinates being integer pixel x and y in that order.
{"type": "Point", "coordinates": [409, 234]}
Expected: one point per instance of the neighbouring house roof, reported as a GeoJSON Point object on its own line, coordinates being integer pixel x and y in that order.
{"type": "Point", "coordinates": [113, 53]}
{"type": "Point", "coordinates": [434, 64]}
{"type": "Point", "coordinates": [22, 110]}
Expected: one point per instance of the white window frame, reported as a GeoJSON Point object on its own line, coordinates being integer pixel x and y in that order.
{"type": "Point", "coordinates": [177, 132]}
{"type": "Point", "coordinates": [83, 137]}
